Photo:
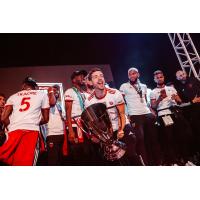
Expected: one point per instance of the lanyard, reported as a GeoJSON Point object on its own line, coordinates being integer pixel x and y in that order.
{"type": "Point", "coordinates": [79, 97]}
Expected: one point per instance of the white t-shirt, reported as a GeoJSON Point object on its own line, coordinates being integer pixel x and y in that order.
{"type": "Point", "coordinates": [27, 105]}
{"type": "Point", "coordinates": [55, 125]}
{"type": "Point", "coordinates": [71, 95]}
{"type": "Point", "coordinates": [112, 98]}
{"type": "Point", "coordinates": [135, 104]}
{"type": "Point", "coordinates": [166, 102]}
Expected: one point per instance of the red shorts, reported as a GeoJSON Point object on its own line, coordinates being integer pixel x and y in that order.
{"type": "Point", "coordinates": [19, 149]}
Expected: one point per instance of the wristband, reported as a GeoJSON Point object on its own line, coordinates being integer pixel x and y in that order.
{"type": "Point", "coordinates": [121, 131]}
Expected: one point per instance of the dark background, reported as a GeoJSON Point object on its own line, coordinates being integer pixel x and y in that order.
{"type": "Point", "coordinates": [148, 52]}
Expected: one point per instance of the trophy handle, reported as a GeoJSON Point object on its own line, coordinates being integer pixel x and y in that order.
{"type": "Point", "coordinates": [89, 131]}
{"type": "Point", "coordinates": [86, 132]}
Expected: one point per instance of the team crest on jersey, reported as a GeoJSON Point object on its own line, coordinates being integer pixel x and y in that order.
{"type": "Point", "coordinates": [111, 103]}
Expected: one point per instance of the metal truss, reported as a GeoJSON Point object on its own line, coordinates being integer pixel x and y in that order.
{"type": "Point", "coordinates": [186, 53]}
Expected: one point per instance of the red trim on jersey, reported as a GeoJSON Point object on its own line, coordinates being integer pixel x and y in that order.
{"type": "Point", "coordinates": [46, 108]}
{"type": "Point", "coordinates": [102, 96]}
{"type": "Point", "coordinates": [91, 96]}
{"type": "Point", "coordinates": [67, 100]}
{"type": "Point", "coordinates": [115, 105]}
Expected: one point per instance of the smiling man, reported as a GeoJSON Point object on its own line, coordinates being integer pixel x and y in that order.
{"type": "Point", "coordinates": [114, 102]}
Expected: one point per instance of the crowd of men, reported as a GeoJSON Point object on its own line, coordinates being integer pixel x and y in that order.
{"type": "Point", "coordinates": [162, 131]}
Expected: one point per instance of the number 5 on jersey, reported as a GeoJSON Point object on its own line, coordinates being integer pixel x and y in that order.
{"type": "Point", "coordinates": [25, 104]}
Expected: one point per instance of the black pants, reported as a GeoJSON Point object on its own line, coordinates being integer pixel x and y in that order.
{"type": "Point", "coordinates": [192, 115]}
{"type": "Point", "coordinates": [175, 139]}
{"type": "Point", "coordinates": [81, 153]}
{"type": "Point", "coordinates": [147, 138]}
{"type": "Point", "coordinates": [167, 141]}
{"type": "Point", "coordinates": [54, 149]}
{"type": "Point", "coordinates": [130, 157]}
{"type": "Point", "coordinates": [183, 136]}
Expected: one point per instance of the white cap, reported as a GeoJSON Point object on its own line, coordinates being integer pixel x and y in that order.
{"type": "Point", "coordinates": [133, 69]}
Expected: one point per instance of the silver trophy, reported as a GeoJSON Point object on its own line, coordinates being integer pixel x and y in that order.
{"type": "Point", "coordinates": [97, 121]}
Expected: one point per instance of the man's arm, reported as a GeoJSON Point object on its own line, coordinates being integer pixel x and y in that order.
{"type": "Point", "coordinates": [45, 116]}
{"type": "Point", "coordinates": [149, 106]}
{"type": "Point", "coordinates": [176, 98]}
{"type": "Point", "coordinates": [5, 115]}
{"type": "Point", "coordinates": [196, 100]}
{"type": "Point", "coordinates": [52, 98]}
{"type": "Point", "coordinates": [121, 120]}
{"type": "Point", "coordinates": [155, 103]}
{"type": "Point", "coordinates": [68, 109]}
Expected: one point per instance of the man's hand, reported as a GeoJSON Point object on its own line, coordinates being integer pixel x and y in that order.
{"type": "Point", "coordinates": [50, 90]}
{"type": "Point", "coordinates": [163, 94]}
{"type": "Point", "coordinates": [71, 136]}
{"type": "Point", "coordinates": [196, 100]}
{"type": "Point", "coordinates": [94, 139]}
{"type": "Point", "coordinates": [176, 98]}
{"type": "Point", "coordinates": [161, 97]}
{"type": "Point", "coordinates": [120, 134]}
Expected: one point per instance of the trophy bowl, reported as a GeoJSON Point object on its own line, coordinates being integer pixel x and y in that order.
{"type": "Point", "coordinates": [96, 120]}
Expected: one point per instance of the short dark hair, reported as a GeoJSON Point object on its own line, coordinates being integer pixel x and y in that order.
{"type": "Point", "coordinates": [157, 72]}
{"type": "Point", "coordinates": [96, 69]}
{"type": "Point", "coordinates": [78, 73]}
{"type": "Point", "coordinates": [2, 95]}
{"type": "Point", "coordinates": [29, 81]}
{"type": "Point", "coordinates": [56, 86]}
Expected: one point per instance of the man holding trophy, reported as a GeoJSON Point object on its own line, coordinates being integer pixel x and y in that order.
{"type": "Point", "coordinates": [105, 117]}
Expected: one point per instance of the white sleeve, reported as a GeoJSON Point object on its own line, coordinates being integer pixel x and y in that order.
{"type": "Point", "coordinates": [122, 89]}
{"type": "Point", "coordinates": [10, 101]}
{"type": "Point", "coordinates": [152, 95]}
{"type": "Point", "coordinates": [145, 89]}
{"type": "Point", "coordinates": [118, 98]}
{"type": "Point", "coordinates": [86, 103]}
{"type": "Point", "coordinates": [173, 90]}
{"type": "Point", "coordinates": [45, 101]}
{"type": "Point", "coordinates": [69, 95]}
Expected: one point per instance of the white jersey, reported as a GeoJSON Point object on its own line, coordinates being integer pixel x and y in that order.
{"type": "Point", "coordinates": [27, 105]}
{"type": "Point", "coordinates": [111, 99]}
{"type": "Point", "coordinates": [135, 104]}
{"type": "Point", "coordinates": [166, 102]}
{"type": "Point", "coordinates": [71, 95]}
{"type": "Point", "coordinates": [55, 125]}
